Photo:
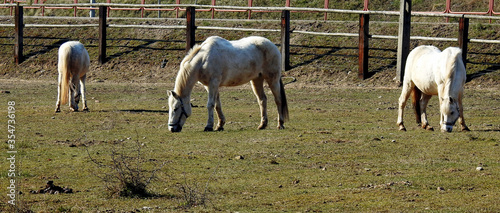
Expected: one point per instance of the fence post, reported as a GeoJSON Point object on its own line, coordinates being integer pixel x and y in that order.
{"type": "Point", "coordinates": [190, 28]}
{"type": "Point", "coordinates": [327, 2]}
{"type": "Point", "coordinates": [102, 34]}
{"type": "Point", "coordinates": [250, 4]}
{"type": "Point", "coordinates": [364, 23]}
{"type": "Point", "coordinates": [285, 40]}
{"type": "Point", "coordinates": [18, 43]}
{"type": "Point", "coordinates": [403, 38]}
{"type": "Point", "coordinates": [463, 37]}
{"type": "Point", "coordinates": [159, 11]}
{"type": "Point", "coordinates": [92, 12]}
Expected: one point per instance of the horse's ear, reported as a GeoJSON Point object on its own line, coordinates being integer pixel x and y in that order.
{"type": "Point", "coordinates": [171, 93]}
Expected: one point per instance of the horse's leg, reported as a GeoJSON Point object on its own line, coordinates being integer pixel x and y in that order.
{"type": "Point", "coordinates": [274, 84]}
{"type": "Point", "coordinates": [220, 115]}
{"type": "Point", "coordinates": [461, 120]}
{"type": "Point", "coordinates": [83, 90]}
{"type": "Point", "coordinates": [258, 90]}
{"type": "Point", "coordinates": [212, 96]}
{"type": "Point", "coordinates": [58, 103]}
{"type": "Point", "coordinates": [423, 106]}
{"type": "Point", "coordinates": [405, 94]}
{"type": "Point", "coordinates": [74, 91]}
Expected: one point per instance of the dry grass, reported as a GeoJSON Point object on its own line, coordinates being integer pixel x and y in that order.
{"type": "Point", "coordinates": [340, 151]}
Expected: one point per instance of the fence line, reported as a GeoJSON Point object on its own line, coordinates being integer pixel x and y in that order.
{"type": "Point", "coordinates": [422, 38]}
{"type": "Point", "coordinates": [154, 7]}
{"type": "Point", "coordinates": [363, 35]}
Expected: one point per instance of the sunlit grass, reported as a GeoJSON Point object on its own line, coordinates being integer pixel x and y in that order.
{"type": "Point", "coordinates": [340, 151]}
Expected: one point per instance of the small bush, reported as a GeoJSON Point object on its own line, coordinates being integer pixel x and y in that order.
{"type": "Point", "coordinates": [126, 175]}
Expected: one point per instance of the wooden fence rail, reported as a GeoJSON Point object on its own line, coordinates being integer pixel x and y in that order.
{"type": "Point", "coordinates": [363, 34]}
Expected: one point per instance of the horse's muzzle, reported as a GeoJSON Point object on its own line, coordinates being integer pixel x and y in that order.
{"type": "Point", "coordinates": [447, 128]}
{"type": "Point", "coordinates": [174, 128]}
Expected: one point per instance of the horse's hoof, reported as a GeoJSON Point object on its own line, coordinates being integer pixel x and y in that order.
{"type": "Point", "coordinates": [402, 129]}
{"type": "Point", "coordinates": [430, 128]}
{"type": "Point", "coordinates": [281, 127]}
{"type": "Point", "coordinates": [263, 126]}
{"type": "Point", "coordinates": [85, 109]}
{"type": "Point", "coordinates": [58, 110]}
{"type": "Point", "coordinates": [220, 129]}
{"type": "Point", "coordinates": [465, 129]}
{"type": "Point", "coordinates": [208, 129]}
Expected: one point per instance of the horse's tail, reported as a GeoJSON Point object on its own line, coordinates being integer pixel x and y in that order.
{"type": "Point", "coordinates": [64, 73]}
{"type": "Point", "coordinates": [416, 94]}
{"type": "Point", "coordinates": [284, 104]}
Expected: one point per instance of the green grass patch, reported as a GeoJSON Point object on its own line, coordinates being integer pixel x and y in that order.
{"type": "Point", "coordinates": [340, 151]}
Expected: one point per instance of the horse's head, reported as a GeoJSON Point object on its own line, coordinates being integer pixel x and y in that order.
{"type": "Point", "coordinates": [450, 112]}
{"type": "Point", "coordinates": [179, 111]}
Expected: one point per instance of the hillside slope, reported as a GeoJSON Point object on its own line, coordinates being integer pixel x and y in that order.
{"type": "Point", "coordinates": [137, 55]}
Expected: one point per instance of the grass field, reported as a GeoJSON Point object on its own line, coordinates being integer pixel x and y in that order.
{"type": "Point", "coordinates": [341, 151]}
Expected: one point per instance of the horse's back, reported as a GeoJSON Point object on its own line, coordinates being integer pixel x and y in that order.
{"type": "Point", "coordinates": [240, 61]}
{"type": "Point", "coordinates": [74, 56]}
{"type": "Point", "coordinates": [72, 47]}
{"type": "Point", "coordinates": [427, 67]}
{"type": "Point", "coordinates": [247, 44]}
{"type": "Point", "coordinates": [420, 55]}
{"type": "Point", "coordinates": [420, 68]}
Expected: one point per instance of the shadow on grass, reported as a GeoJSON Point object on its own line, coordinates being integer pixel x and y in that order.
{"type": "Point", "coordinates": [143, 111]}
{"type": "Point", "coordinates": [45, 48]}
{"type": "Point", "coordinates": [491, 69]}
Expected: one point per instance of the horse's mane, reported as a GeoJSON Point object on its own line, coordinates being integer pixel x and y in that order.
{"type": "Point", "coordinates": [453, 63]}
{"type": "Point", "coordinates": [184, 71]}
{"type": "Point", "coordinates": [454, 56]}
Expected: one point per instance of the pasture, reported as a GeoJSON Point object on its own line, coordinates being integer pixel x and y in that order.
{"type": "Point", "coordinates": [340, 151]}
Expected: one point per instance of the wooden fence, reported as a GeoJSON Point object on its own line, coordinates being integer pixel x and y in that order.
{"type": "Point", "coordinates": [363, 34]}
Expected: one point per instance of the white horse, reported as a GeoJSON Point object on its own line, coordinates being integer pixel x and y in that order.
{"type": "Point", "coordinates": [218, 62]}
{"type": "Point", "coordinates": [73, 65]}
{"type": "Point", "coordinates": [431, 72]}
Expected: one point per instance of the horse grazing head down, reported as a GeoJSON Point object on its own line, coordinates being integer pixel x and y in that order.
{"type": "Point", "coordinates": [179, 111]}
{"type": "Point", "coordinates": [430, 72]}
{"type": "Point", "coordinates": [450, 111]}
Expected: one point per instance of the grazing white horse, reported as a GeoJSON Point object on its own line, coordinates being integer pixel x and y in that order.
{"type": "Point", "coordinates": [73, 65]}
{"type": "Point", "coordinates": [218, 62]}
{"type": "Point", "coordinates": [431, 72]}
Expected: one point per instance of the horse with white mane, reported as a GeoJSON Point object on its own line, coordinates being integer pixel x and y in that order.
{"type": "Point", "coordinates": [431, 72]}
{"type": "Point", "coordinates": [218, 62]}
{"type": "Point", "coordinates": [73, 65]}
